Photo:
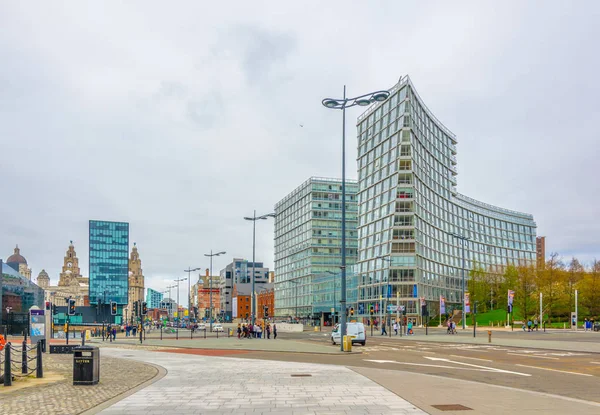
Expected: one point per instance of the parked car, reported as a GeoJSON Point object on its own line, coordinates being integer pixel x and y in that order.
{"type": "Point", "coordinates": [218, 327]}
{"type": "Point", "coordinates": [597, 326]}
{"type": "Point", "coordinates": [352, 329]}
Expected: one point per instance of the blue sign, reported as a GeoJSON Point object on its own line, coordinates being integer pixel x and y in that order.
{"type": "Point", "coordinates": [389, 291]}
{"type": "Point", "coordinates": [415, 291]}
{"type": "Point", "coordinates": [361, 308]}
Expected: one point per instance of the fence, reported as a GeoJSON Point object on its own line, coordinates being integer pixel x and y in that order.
{"type": "Point", "coordinates": [11, 366]}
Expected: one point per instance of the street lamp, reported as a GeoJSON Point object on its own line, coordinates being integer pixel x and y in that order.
{"type": "Point", "coordinates": [334, 305]}
{"type": "Point", "coordinates": [342, 104]}
{"type": "Point", "coordinates": [189, 271]}
{"type": "Point", "coordinates": [178, 316]}
{"type": "Point", "coordinates": [170, 301]}
{"type": "Point", "coordinates": [295, 282]}
{"type": "Point", "coordinates": [464, 240]}
{"type": "Point", "coordinates": [211, 255]}
{"type": "Point", "coordinates": [254, 218]}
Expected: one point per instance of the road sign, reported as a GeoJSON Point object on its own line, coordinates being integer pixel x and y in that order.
{"type": "Point", "coordinates": [361, 308]}
{"type": "Point", "coordinates": [392, 308]}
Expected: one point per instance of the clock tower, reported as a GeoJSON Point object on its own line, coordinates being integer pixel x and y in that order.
{"type": "Point", "coordinates": [136, 281]}
{"type": "Point", "coordinates": [70, 274]}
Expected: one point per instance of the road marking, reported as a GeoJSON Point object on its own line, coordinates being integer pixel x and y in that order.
{"type": "Point", "coordinates": [472, 358]}
{"type": "Point", "coordinates": [531, 355]}
{"type": "Point", "coordinates": [445, 366]}
{"type": "Point", "coordinates": [486, 368]}
{"type": "Point", "coordinates": [595, 363]}
{"type": "Point", "coordinates": [556, 370]}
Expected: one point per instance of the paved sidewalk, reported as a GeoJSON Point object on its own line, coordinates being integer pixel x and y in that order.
{"type": "Point", "coordinates": [233, 343]}
{"type": "Point", "coordinates": [214, 385]}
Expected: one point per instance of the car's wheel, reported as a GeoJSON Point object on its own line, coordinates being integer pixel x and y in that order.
{"type": "Point", "coordinates": [363, 343]}
{"type": "Point", "coordinates": [332, 341]}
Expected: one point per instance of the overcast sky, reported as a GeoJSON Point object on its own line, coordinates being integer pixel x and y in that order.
{"type": "Point", "coordinates": [181, 118]}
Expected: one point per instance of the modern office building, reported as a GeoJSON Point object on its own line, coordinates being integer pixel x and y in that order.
{"type": "Point", "coordinates": [409, 209]}
{"type": "Point", "coordinates": [109, 262]}
{"type": "Point", "coordinates": [239, 274]}
{"type": "Point", "coordinates": [170, 305]}
{"type": "Point", "coordinates": [308, 242]}
{"type": "Point", "coordinates": [153, 298]}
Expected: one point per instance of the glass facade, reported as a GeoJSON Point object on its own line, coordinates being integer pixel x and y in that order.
{"type": "Point", "coordinates": [18, 295]}
{"type": "Point", "coordinates": [109, 261]}
{"type": "Point", "coordinates": [308, 241]}
{"type": "Point", "coordinates": [326, 292]}
{"type": "Point", "coordinates": [153, 298]}
{"type": "Point", "coordinates": [409, 208]}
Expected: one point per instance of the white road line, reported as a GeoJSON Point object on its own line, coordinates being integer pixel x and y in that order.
{"type": "Point", "coordinates": [531, 355]}
{"type": "Point", "coordinates": [595, 363]}
{"type": "Point", "coordinates": [486, 368]}
{"type": "Point", "coordinates": [438, 366]}
{"type": "Point", "coordinates": [472, 358]}
{"type": "Point", "coordinates": [556, 370]}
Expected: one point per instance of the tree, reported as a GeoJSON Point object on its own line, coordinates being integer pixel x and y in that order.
{"type": "Point", "coordinates": [575, 273]}
{"type": "Point", "coordinates": [589, 289]}
{"type": "Point", "coordinates": [550, 281]}
{"type": "Point", "coordinates": [525, 291]}
{"type": "Point", "coordinates": [509, 282]}
{"type": "Point", "coordinates": [479, 288]}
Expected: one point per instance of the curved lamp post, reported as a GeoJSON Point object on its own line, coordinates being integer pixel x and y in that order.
{"type": "Point", "coordinates": [189, 271]}
{"type": "Point", "coordinates": [210, 312]}
{"type": "Point", "coordinates": [254, 218]}
{"type": "Point", "coordinates": [342, 104]}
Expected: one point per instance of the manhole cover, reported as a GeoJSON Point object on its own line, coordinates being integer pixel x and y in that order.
{"type": "Point", "coordinates": [301, 375]}
{"type": "Point", "coordinates": [452, 407]}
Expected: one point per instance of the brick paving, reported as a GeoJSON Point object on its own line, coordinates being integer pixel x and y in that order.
{"type": "Point", "coordinates": [217, 385]}
{"type": "Point", "coordinates": [62, 397]}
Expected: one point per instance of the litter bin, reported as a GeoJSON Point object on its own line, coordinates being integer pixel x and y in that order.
{"type": "Point", "coordinates": [86, 365]}
{"type": "Point", "coordinates": [348, 343]}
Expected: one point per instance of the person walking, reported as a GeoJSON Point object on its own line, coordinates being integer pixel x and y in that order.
{"type": "Point", "coordinates": [383, 330]}
{"type": "Point", "coordinates": [535, 324]}
{"type": "Point", "coordinates": [239, 331]}
{"type": "Point", "coordinates": [114, 333]}
{"type": "Point", "coordinates": [268, 331]}
{"type": "Point", "coordinates": [409, 328]}
{"type": "Point", "coordinates": [274, 331]}
{"type": "Point", "coordinates": [396, 328]}
{"type": "Point", "coordinates": [529, 324]}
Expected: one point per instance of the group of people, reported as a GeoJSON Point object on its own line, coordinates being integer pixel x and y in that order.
{"type": "Point", "coordinates": [249, 331]}
{"type": "Point", "coordinates": [111, 331]}
{"type": "Point", "coordinates": [451, 327]}
{"type": "Point", "coordinates": [588, 325]}
{"type": "Point", "coordinates": [130, 330]}
{"type": "Point", "coordinates": [531, 325]}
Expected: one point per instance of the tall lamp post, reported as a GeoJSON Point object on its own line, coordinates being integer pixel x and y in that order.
{"type": "Point", "coordinates": [254, 218]}
{"type": "Point", "coordinates": [334, 305]}
{"type": "Point", "coordinates": [464, 240]}
{"type": "Point", "coordinates": [342, 104]}
{"type": "Point", "coordinates": [211, 255]}
{"type": "Point", "coordinates": [189, 271]}
{"type": "Point", "coordinates": [178, 316]}
{"type": "Point", "coordinates": [384, 259]}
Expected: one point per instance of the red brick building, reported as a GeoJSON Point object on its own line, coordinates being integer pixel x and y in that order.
{"type": "Point", "coordinates": [265, 299]}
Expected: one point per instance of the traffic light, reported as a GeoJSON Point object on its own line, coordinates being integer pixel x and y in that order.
{"type": "Point", "coordinates": [71, 307]}
{"type": "Point", "coordinates": [346, 311]}
{"type": "Point", "coordinates": [144, 308]}
{"type": "Point", "coordinates": [372, 311]}
{"type": "Point", "coordinates": [351, 311]}
{"type": "Point", "coordinates": [266, 311]}
{"type": "Point", "coordinates": [113, 308]}
{"type": "Point", "coordinates": [404, 311]}
{"type": "Point", "coordinates": [53, 309]}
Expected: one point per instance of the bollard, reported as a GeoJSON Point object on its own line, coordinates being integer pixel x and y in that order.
{"type": "Point", "coordinates": [7, 377]}
{"type": "Point", "coordinates": [161, 332]}
{"type": "Point", "coordinates": [83, 338]}
{"type": "Point", "coordinates": [191, 334]}
{"type": "Point", "coordinates": [217, 334]}
{"type": "Point", "coordinates": [489, 336]}
{"type": "Point", "coordinates": [24, 357]}
{"type": "Point", "coordinates": [205, 332]}
{"type": "Point", "coordinates": [39, 368]}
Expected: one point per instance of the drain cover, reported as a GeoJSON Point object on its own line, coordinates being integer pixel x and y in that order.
{"type": "Point", "coordinates": [452, 407]}
{"type": "Point", "coordinates": [301, 375]}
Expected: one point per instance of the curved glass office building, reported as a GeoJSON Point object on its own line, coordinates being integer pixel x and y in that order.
{"type": "Point", "coordinates": [409, 210]}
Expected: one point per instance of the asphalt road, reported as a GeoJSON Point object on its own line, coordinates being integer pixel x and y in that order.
{"type": "Point", "coordinates": [570, 374]}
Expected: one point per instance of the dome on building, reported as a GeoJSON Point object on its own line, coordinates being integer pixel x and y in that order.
{"type": "Point", "coordinates": [16, 258]}
{"type": "Point", "coordinates": [43, 274]}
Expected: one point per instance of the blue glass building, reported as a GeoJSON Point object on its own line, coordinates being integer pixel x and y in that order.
{"type": "Point", "coordinates": [109, 261]}
{"type": "Point", "coordinates": [153, 298]}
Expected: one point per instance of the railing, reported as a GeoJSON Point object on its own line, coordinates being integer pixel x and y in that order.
{"type": "Point", "coordinates": [11, 367]}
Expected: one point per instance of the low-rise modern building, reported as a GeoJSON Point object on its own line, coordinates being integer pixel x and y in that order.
{"type": "Point", "coordinates": [239, 273]}
{"type": "Point", "coordinates": [308, 227]}
{"type": "Point", "coordinates": [170, 305]}
{"type": "Point", "coordinates": [17, 295]}
{"type": "Point", "coordinates": [411, 216]}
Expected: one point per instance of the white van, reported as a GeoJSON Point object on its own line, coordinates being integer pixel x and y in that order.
{"type": "Point", "coordinates": [352, 329]}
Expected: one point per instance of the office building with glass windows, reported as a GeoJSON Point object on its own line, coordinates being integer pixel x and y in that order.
{"type": "Point", "coordinates": [109, 262]}
{"type": "Point", "coordinates": [238, 275]}
{"type": "Point", "coordinates": [409, 209]}
{"type": "Point", "coordinates": [153, 298]}
{"type": "Point", "coordinates": [308, 243]}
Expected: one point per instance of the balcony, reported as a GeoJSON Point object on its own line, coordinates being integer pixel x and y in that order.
{"type": "Point", "coordinates": [453, 159]}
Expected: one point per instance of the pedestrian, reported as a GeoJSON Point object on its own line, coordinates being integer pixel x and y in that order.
{"type": "Point", "coordinates": [409, 328]}
{"type": "Point", "coordinates": [274, 331]}
{"type": "Point", "coordinates": [535, 324]}
{"type": "Point", "coordinates": [396, 328]}
{"type": "Point", "coordinates": [268, 331]}
{"type": "Point", "coordinates": [453, 327]}
{"type": "Point", "coordinates": [239, 331]}
{"type": "Point", "coordinates": [449, 324]}
{"type": "Point", "coordinates": [134, 330]}
{"type": "Point", "coordinates": [114, 333]}
{"type": "Point", "coordinates": [383, 330]}
{"type": "Point", "coordinates": [529, 324]}
{"type": "Point", "coordinates": [258, 331]}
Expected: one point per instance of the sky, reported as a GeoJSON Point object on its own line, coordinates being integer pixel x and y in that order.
{"type": "Point", "coordinates": [182, 118]}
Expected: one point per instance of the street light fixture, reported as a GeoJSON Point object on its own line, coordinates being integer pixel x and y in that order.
{"type": "Point", "coordinates": [178, 316]}
{"type": "Point", "coordinates": [464, 240]}
{"type": "Point", "coordinates": [254, 218]}
{"type": "Point", "coordinates": [333, 103]}
{"type": "Point", "coordinates": [189, 271]}
{"type": "Point", "coordinates": [334, 305]}
{"type": "Point", "coordinates": [388, 260]}
{"type": "Point", "coordinates": [211, 255]}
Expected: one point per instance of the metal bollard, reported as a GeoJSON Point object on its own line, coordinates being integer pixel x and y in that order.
{"type": "Point", "coordinates": [161, 332]}
{"type": "Point", "coordinates": [489, 336]}
{"type": "Point", "coordinates": [24, 357]}
{"type": "Point", "coordinates": [217, 334]}
{"type": "Point", "coordinates": [7, 374]}
{"type": "Point", "coordinates": [39, 368]}
{"type": "Point", "coordinates": [191, 334]}
{"type": "Point", "coordinates": [205, 332]}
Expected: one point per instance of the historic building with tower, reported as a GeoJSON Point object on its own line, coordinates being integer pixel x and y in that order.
{"type": "Point", "coordinates": [18, 262]}
{"type": "Point", "coordinates": [136, 280]}
{"type": "Point", "coordinates": [71, 283]}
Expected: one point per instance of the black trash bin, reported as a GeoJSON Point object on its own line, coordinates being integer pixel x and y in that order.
{"type": "Point", "coordinates": [86, 365]}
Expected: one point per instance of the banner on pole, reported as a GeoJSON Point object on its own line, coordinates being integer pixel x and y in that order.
{"type": "Point", "coordinates": [467, 303]}
{"type": "Point", "coordinates": [511, 297]}
{"type": "Point", "coordinates": [442, 305]}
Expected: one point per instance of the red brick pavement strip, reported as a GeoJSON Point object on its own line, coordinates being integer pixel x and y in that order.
{"type": "Point", "coordinates": [204, 352]}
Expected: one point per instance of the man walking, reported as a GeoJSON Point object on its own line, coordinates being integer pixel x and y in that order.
{"type": "Point", "coordinates": [383, 330]}
{"type": "Point", "coordinates": [396, 328]}
{"type": "Point", "coordinates": [274, 331]}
